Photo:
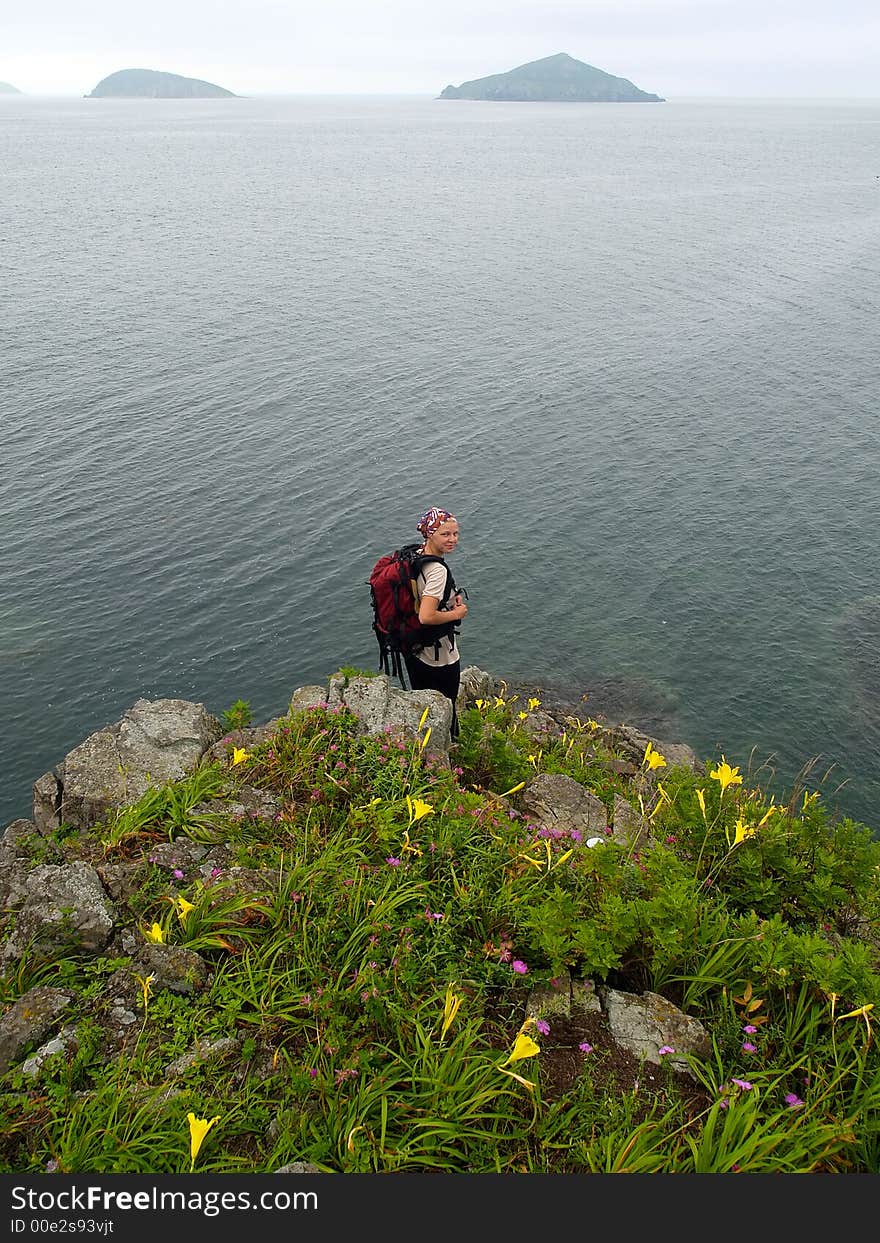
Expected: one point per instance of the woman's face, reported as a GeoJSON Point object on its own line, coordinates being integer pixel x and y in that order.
{"type": "Point", "coordinates": [444, 539]}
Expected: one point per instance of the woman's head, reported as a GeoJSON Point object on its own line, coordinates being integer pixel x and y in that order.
{"type": "Point", "coordinates": [439, 529]}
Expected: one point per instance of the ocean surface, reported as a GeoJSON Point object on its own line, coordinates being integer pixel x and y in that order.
{"type": "Point", "coordinates": [635, 348]}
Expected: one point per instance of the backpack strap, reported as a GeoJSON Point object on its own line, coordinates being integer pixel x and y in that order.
{"type": "Point", "coordinates": [449, 629]}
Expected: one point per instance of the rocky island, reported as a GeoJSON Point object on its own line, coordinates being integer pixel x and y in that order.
{"type": "Point", "coordinates": [152, 84]}
{"type": "Point", "coordinates": [555, 79]}
{"type": "Point", "coordinates": [7, 89]}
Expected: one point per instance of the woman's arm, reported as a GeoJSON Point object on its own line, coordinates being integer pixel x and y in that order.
{"type": "Point", "coordinates": [430, 613]}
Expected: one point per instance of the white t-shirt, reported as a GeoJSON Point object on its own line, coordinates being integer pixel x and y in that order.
{"type": "Point", "coordinates": [432, 582]}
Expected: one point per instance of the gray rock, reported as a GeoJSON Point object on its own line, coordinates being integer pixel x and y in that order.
{"type": "Point", "coordinates": [182, 854]}
{"type": "Point", "coordinates": [628, 827]}
{"type": "Point", "coordinates": [21, 847]}
{"type": "Point", "coordinates": [556, 801]}
{"type": "Point", "coordinates": [308, 697]}
{"type": "Point", "coordinates": [634, 742]}
{"type": "Point", "coordinates": [60, 909]}
{"type": "Point", "coordinates": [212, 818]}
{"type": "Point", "coordinates": [154, 742]}
{"type": "Point", "coordinates": [17, 833]}
{"type": "Point", "coordinates": [475, 684]}
{"type": "Point", "coordinates": [249, 736]}
{"type": "Point", "coordinates": [211, 1052]}
{"type": "Point", "coordinates": [63, 1043]}
{"type": "Point", "coordinates": [174, 967]}
{"type": "Point", "coordinates": [644, 1023]}
{"type": "Point", "coordinates": [540, 726]}
{"type": "Point", "coordinates": [121, 880]}
{"type": "Point", "coordinates": [298, 1167]}
{"type": "Point", "coordinates": [47, 803]}
{"type": "Point", "coordinates": [29, 1020]}
{"type": "Point", "coordinates": [382, 708]}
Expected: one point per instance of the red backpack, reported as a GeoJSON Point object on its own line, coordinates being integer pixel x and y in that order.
{"type": "Point", "coordinates": [394, 596]}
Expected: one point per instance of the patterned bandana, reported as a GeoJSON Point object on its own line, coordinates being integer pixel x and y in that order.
{"type": "Point", "coordinates": [430, 521]}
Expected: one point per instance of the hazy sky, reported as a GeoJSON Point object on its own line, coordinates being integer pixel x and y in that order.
{"type": "Point", "coordinates": [671, 47]}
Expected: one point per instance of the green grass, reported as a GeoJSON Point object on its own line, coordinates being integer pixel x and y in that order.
{"type": "Point", "coordinates": [360, 949]}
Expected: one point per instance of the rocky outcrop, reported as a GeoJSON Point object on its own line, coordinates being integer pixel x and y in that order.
{"type": "Point", "coordinates": [60, 910]}
{"type": "Point", "coordinates": [28, 1021]}
{"type": "Point", "coordinates": [642, 1024]}
{"type": "Point", "coordinates": [646, 1023]}
{"type": "Point", "coordinates": [155, 741]}
{"type": "Point", "coordinates": [175, 968]}
{"type": "Point", "coordinates": [58, 906]}
{"type": "Point", "coordinates": [555, 801]}
{"type": "Point", "coordinates": [383, 709]}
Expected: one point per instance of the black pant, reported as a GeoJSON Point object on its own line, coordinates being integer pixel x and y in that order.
{"type": "Point", "coordinates": [444, 678]}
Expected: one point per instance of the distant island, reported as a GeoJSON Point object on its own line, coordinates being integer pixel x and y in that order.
{"type": "Point", "coordinates": [7, 89]}
{"type": "Point", "coordinates": [151, 84]}
{"type": "Point", "coordinates": [555, 79]}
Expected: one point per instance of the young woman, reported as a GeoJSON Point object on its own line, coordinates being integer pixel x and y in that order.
{"type": "Point", "coordinates": [437, 665]}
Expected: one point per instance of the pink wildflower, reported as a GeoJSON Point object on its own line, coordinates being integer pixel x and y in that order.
{"type": "Point", "coordinates": [395, 863]}
{"type": "Point", "coordinates": [742, 1084]}
{"type": "Point", "coordinates": [664, 1049]}
{"type": "Point", "coordinates": [519, 966]}
{"type": "Point", "coordinates": [584, 1047]}
{"type": "Point", "coordinates": [543, 1027]}
{"type": "Point", "coordinates": [750, 1029]}
{"type": "Point", "coordinates": [748, 1047]}
{"type": "Point", "coordinates": [792, 1100]}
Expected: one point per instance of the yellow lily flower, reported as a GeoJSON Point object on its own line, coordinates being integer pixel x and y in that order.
{"type": "Point", "coordinates": [653, 758]}
{"type": "Point", "coordinates": [145, 982]}
{"type": "Point", "coordinates": [499, 701]}
{"type": "Point", "coordinates": [512, 790]}
{"type": "Point", "coordinates": [767, 814]}
{"type": "Point", "coordinates": [522, 715]}
{"type": "Point", "coordinates": [156, 934]}
{"type": "Point", "coordinates": [239, 755]}
{"type": "Point", "coordinates": [810, 798]}
{"type": "Point", "coordinates": [725, 775]}
{"type": "Point", "coordinates": [481, 703]}
{"type": "Point", "coordinates": [701, 799]}
{"type": "Point", "coordinates": [424, 741]}
{"type": "Point", "coordinates": [184, 908]}
{"type": "Point", "coordinates": [417, 808]}
{"type": "Point", "coordinates": [863, 1012]}
{"type": "Point", "coordinates": [450, 1009]}
{"type": "Point", "coordinates": [424, 716]}
{"type": "Point", "coordinates": [523, 1046]}
{"type": "Point", "coordinates": [592, 724]}
{"type": "Point", "coordinates": [533, 704]}
{"type": "Point", "coordinates": [742, 832]}
{"type": "Point", "coordinates": [198, 1129]}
